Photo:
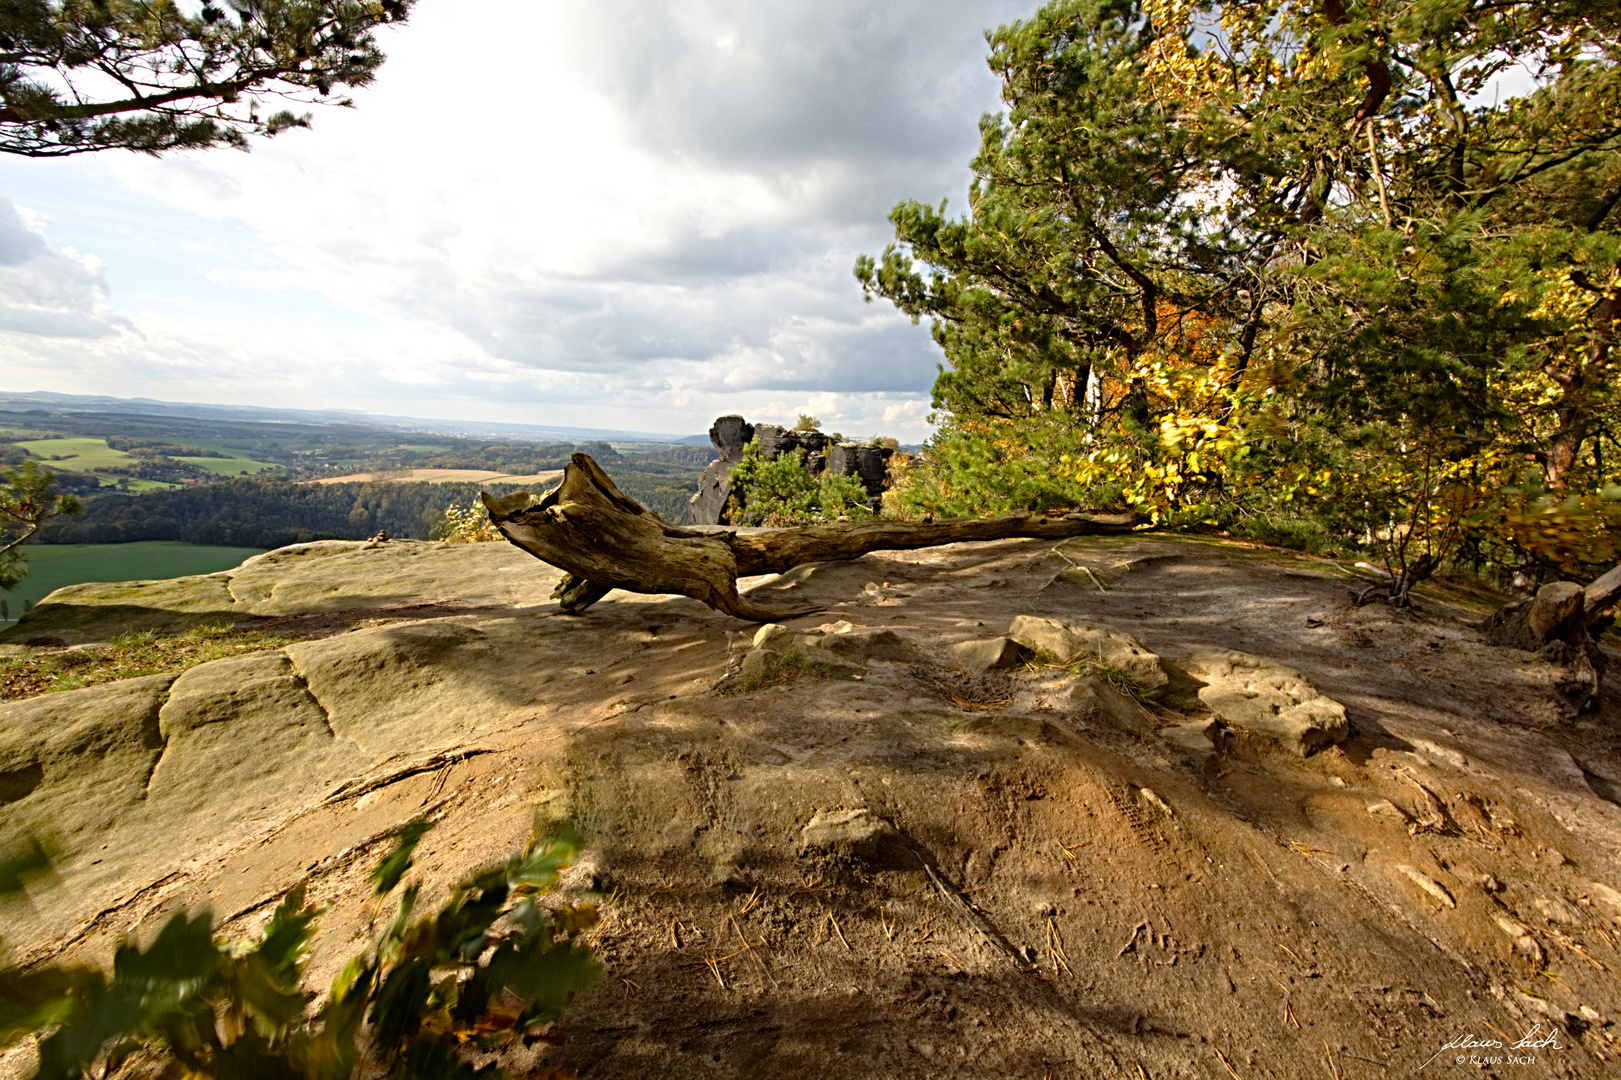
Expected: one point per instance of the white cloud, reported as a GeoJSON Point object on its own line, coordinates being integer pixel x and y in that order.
{"type": "Point", "coordinates": [565, 211]}
{"type": "Point", "coordinates": [45, 290]}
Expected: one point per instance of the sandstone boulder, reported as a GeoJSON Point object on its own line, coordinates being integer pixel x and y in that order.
{"type": "Point", "coordinates": [769, 633]}
{"type": "Point", "coordinates": [1073, 642]}
{"type": "Point", "coordinates": [858, 834]}
{"type": "Point", "coordinates": [995, 654]}
{"type": "Point", "coordinates": [1195, 736]}
{"type": "Point", "coordinates": [1264, 697]}
{"type": "Point", "coordinates": [1098, 698]}
{"type": "Point", "coordinates": [869, 644]}
{"type": "Point", "coordinates": [757, 663]}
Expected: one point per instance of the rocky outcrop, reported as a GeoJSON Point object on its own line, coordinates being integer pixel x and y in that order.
{"type": "Point", "coordinates": [1029, 847]}
{"type": "Point", "coordinates": [994, 654]}
{"type": "Point", "coordinates": [1070, 642]}
{"type": "Point", "coordinates": [1265, 698]}
{"type": "Point", "coordinates": [776, 441]}
{"type": "Point", "coordinates": [730, 434]}
{"type": "Point", "coordinates": [302, 580]}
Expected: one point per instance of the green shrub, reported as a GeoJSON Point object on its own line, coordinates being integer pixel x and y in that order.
{"type": "Point", "coordinates": [1299, 533]}
{"type": "Point", "coordinates": [779, 491]}
{"type": "Point", "coordinates": [429, 991]}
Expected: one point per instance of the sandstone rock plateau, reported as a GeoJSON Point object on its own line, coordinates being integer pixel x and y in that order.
{"type": "Point", "coordinates": [1191, 813]}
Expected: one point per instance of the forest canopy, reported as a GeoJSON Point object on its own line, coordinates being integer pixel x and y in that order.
{"type": "Point", "coordinates": [1339, 273]}
{"type": "Point", "coordinates": [258, 512]}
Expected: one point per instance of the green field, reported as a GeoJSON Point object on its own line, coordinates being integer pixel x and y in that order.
{"type": "Point", "coordinates": [228, 466]}
{"type": "Point", "coordinates": [80, 455]}
{"type": "Point", "coordinates": [90, 455]}
{"type": "Point", "coordinates": [51, 566]}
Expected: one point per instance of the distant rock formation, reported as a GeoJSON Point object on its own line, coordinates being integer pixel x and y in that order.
{"type": "Point", "coordinates": [776, 441]}
{"type": "Point", "coordinates": [731, 434]}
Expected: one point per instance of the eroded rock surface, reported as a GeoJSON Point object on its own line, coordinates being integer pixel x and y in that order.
{"type": "Point", "coordinates": [1265, 697]}
{"type": "Point", "coordinates": [991, 654]}
{"type": "Point", "coordinates": [884, 865]}
{"type": "Point", "coordinates": [1073, 642]}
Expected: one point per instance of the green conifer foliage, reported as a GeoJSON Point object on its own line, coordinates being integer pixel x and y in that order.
{"type": "Point", "coordinates": [85, 75]}
{"type": "Point", "coordinates": [1299, 259]}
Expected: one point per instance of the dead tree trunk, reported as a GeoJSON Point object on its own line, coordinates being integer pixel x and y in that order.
{"type": "Point", "coordinates": [604, 540]}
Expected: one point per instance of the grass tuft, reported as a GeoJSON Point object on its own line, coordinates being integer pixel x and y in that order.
{"type": "Point", "coordinates": [780, 668]}
{"type": "Point", "coordinates": [1096, 667]}
{"type": "Point", "coordinates": [128, 656]}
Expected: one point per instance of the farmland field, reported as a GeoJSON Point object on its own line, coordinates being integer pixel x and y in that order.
{"type": "Point", "coordinates": [51, 566]}
{"type": "Point", "coordinates": [93, 455]}
{"type": "Point", "coordinates": [441, 476]}
{"type": "Point", "coordinates": [228, 466]}
{"type": "Point", "coordinates": [80, 455]}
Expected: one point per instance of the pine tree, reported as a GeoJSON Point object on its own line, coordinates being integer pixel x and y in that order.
{"type": "Point", "coordinates": [85, 75]}
{"type": "Point", "coordinates": [1218, 258]}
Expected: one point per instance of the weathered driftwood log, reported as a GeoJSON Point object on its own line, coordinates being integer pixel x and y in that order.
{"type": "Point", "coordinates": [605, 540]}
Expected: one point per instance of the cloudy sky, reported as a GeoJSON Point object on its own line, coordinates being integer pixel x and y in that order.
{"type": "Point", "coordinates": [636, 214]}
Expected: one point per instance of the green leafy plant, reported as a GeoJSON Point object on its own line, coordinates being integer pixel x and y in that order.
{"type": "Point", "coordinates": [779, 491]}
{"type": "Point", "coordinates": [26, 502]}
{"type": "Point", "coordinates": [490, 966]}
{"type": "Point", "coordinates": [1291, 269]}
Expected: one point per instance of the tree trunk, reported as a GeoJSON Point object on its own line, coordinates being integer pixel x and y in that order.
{"type": "Point", "coordinates": [1557, 624]}
{"type": "Point", "coordinates": [605, 540]}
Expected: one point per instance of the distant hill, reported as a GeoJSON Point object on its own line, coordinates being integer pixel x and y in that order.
{"type": "Point", "coordinates": [49, 402]}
